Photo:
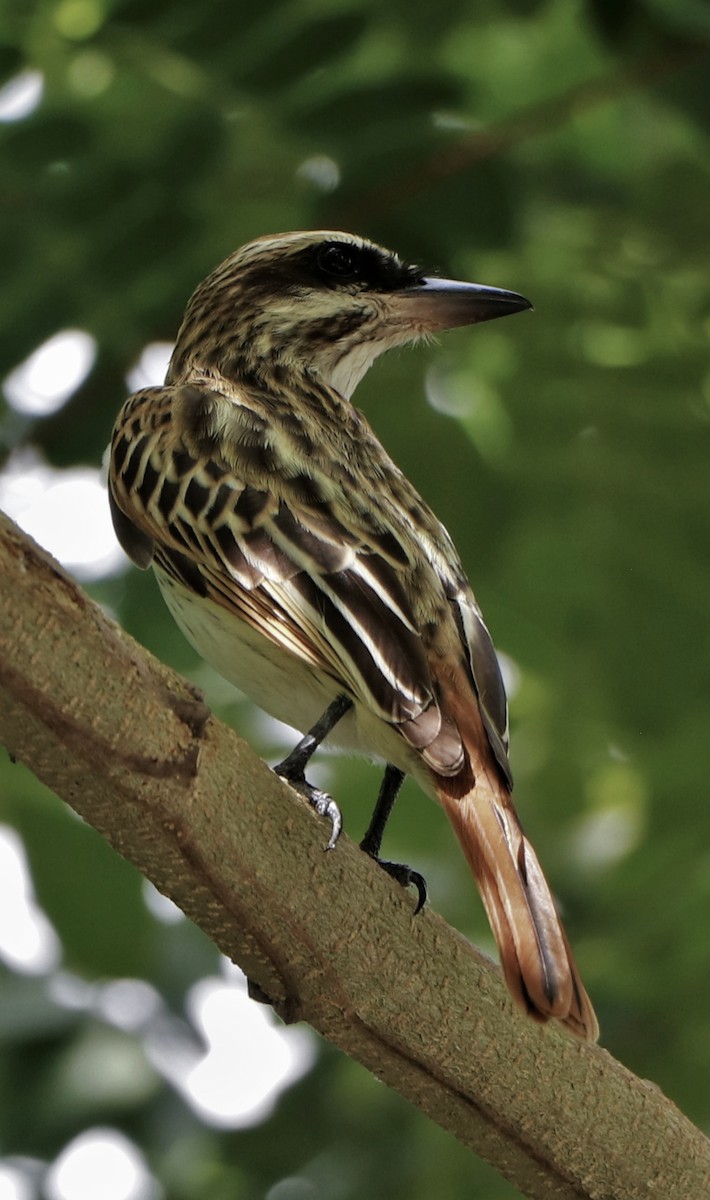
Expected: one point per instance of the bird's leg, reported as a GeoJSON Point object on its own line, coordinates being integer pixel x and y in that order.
{"type": "Point", "coordinates": [294, 766]}
{"type": "Point", "coordinates": [391, 783]}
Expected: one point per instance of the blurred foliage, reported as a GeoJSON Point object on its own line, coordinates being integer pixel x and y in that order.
{"type": "Point", "coordinates": [557, 148]}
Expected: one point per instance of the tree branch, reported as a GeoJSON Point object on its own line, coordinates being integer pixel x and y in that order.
{"type": "Point", "coordinates": [328, 936]}
{"type": "Point", "coordinates": [462, 153]}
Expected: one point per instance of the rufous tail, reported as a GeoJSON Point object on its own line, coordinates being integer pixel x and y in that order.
{"type": "Point", "coordinates": [535, 955]}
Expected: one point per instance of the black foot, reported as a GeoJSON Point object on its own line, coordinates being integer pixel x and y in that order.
{"type": "Point", "coordinates": [288, 1010]}
{"type": "Point", "coordinates": [391, 783]}
{"type": "Point", "coordinates": [407, 877]}
{"type": "Point", "coordinates": [293, 767]}
{"type": "Point", "coordinates": [324, 804]}
{"type": "Point", "coordinates": [257, 993]}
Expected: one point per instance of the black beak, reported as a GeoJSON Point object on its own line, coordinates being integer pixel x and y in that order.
{"type": "Point", "coordinates": [446, 303]}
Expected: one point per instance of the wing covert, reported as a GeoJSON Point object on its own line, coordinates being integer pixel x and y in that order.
{"type": "Point", "coordinates": [333, 594]}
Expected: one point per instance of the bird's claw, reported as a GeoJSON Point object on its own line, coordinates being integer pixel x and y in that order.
{"type": "Point", "coordinates": [324, 804]}
{"type": "Point", "coordinates": [256, 992]}
{"type": "Point", "coordinates": [406, 877]}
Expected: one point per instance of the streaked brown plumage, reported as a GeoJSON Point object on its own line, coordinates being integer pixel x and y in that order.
{"type": "Point", "coordinates": [303, 565]}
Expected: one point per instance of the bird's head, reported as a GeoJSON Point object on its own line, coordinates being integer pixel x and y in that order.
{"type": "Point", "coordinates": [323, 303]}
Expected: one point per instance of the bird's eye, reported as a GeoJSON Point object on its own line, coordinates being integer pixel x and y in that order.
{"type": "Point", "coordinates": [339, 260]}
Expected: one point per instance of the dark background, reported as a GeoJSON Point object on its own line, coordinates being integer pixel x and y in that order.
{"type": "Point", "coordinates": [560, 149]}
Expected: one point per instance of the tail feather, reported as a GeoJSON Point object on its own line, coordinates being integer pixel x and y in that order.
{"type": "Point", "coordinates": [535, 954]}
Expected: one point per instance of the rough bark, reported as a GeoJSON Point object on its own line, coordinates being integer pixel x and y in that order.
{"type": "Point", "coordinates": [329, 937]}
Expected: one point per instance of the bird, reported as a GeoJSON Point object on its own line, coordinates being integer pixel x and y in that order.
{"type": "Point", "coordinates": [303, 565]}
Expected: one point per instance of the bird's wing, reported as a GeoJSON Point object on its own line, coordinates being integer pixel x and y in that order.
{"type": "Point", "coordinates": [337, 593]}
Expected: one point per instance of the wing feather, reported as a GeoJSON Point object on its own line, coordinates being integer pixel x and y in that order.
{"type": "Point", "coordinates": [338, 591]}
{"type": "Point", "coordinates": [487, 679]}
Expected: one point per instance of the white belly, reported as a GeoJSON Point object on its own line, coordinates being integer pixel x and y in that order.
{"type": "Point", "coordinates": [280, 683]}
